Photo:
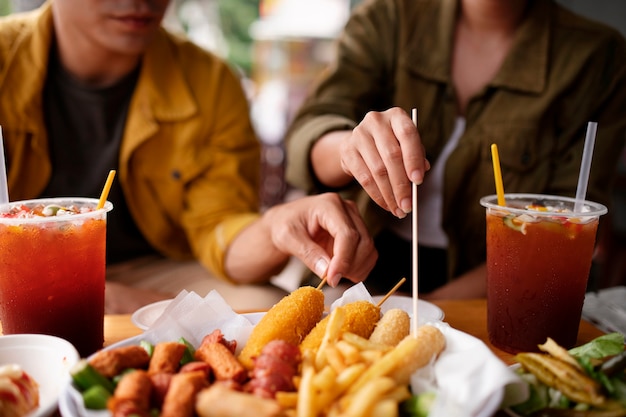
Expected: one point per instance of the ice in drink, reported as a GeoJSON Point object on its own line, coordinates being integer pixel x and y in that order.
{"type": "Point", "coordinates": [52, 269]}
{"type": "Point", "coordinates": [538, 260]}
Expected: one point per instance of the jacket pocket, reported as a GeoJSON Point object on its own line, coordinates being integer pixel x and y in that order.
{"type": "Point", "coordinates": [518, 146]}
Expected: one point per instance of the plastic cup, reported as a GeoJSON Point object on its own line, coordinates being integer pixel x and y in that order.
{"type": "Point", "coordinates": [52, 272]}
{"type": "Point", "coordinates": [538, 261]}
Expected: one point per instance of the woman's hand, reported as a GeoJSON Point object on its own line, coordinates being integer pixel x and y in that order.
{"type": "Point", "coordinates": [384, 153]}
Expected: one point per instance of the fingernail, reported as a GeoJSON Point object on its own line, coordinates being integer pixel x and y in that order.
{"type": "Point", "coordinates": [321, 266]}
{"type": "Point", "coordinates": [417, 177]}
{"type": "Point", "coordinates": [406, 205]}
{"type": "Point", "coordinates": [400, 214]}
{"type": "Point", "coordinates": [335, 280]}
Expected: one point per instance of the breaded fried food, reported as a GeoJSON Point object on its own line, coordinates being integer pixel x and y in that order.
{"type": "Point", "coordinates": [393, 326]}
{"type": "Point", "coordinates": [291, 319]}
{"type": "Point", "coordinates": [360, 318]}
{"type": "Point", "coordinates": [112, 362]}
{"type": "Point", "coordinates": [420, 348]}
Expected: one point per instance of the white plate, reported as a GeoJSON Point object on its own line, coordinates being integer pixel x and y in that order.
{"type": "Point", "coordinates": [47, 359]}
{"type": "Point", "coordinates": [147, 315]}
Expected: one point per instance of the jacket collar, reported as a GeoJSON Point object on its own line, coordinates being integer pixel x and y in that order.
{"type": "Point", "coordinates": [524, 69]}
{"type": "Point", "coordinates": [26, 70]}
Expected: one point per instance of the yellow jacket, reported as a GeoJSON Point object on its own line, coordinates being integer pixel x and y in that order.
{"type": "Point", "coordinates": [189, 158]}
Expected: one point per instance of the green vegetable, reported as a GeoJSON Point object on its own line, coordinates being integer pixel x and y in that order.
{"type": "Point", "coordinates": [418, 405]}
{"type": "Point", "coordinates": [149, 347]}
{"type": "Point", "coordinates": [96, 397]}
{"type": "Point", "coordinates": [188, 356]}
{"type": "Point", "coordinates": [85, 377]}
{"type": "Point", "coordinates": [606, 345]}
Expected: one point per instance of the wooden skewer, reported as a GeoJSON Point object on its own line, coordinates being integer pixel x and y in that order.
{"type": "Point", "coordinates": [414, 243]}
{"type": "Point", "coordinates": [321, 284]}
{"type": "Point", "coordinates": [390, 293]}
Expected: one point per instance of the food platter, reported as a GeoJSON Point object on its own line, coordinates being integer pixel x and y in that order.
{"type": "Point", "coordinates": [464, 357]}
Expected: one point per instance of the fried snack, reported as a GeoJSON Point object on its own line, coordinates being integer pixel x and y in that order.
{"type": "Point", "coordinates": [223, 362]}
{"type": "Point", "coordinates": [412, 353]}
{"type": "Point", "coordinates": [166, 357]}
{"type": "Point", "coordinates": [291, 319]}
{"type": "Point", "coordinates": [132, 394]}
{"type": "Point", "coordinates": [360, 318]}
{"type": "Point", "coordinates": [220, 401]}
{"type": "Point", "coordinates": [571, 381]}
{"type": "Point", "coordinates": [393, 326]}
{"type": "Point", "coordinates": [180, 398]}
{"type": "Point", "coordinates": [110, 363]}
{"type": "Point", "coordinates": [19, 392]}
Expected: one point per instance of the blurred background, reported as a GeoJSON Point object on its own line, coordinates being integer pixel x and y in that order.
{"type": "Point", "coordinates": [280, 46]}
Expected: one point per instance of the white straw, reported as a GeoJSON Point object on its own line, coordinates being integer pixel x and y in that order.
{"type": "Point", "coordinates": [585, 166]}
{"type": "Point", "coordinates": [4, 188]}
{"type": "Point", "coordinates": [415, 247]}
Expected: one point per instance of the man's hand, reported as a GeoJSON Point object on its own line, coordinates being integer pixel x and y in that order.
{"type": "Point", "coordinates": [325, 232]}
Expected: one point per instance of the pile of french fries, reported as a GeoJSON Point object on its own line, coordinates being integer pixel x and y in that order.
{"type": "Point", "coordinates": [350, 376]}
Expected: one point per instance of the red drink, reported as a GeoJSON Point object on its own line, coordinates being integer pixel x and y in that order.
{"type": "Point", "coordinates": [538, 262]}
{"type": "Point", "coordinates": [52, 274]}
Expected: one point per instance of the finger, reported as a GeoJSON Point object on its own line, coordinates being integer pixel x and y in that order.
{"type": "Point", "coordinates": [353, 162]}
{"type": "Point", "coordinates": [355, 256]}
{"type": "Point", "coordinates": [382, 155]}
{"type": "Point", "coordinates": [413, 152]}
{"type": "Point", "coordinates": [412, 157]}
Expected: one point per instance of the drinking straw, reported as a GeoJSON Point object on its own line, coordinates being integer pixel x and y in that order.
{"type": "Point", "coordinates": [497, 174]}
{"type": "Point", "coordinates": [106, 189]}
{"type": "Point", "coordinates": [585, 166]}
{"type": "Point", "coordinates": [415, 246]}
{"type": "Point", "coordinates": [4, 188]}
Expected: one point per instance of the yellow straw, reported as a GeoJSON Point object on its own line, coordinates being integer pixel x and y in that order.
{"type": "Point", "coordinates": [106, 189]}
{"type": "Point", "coordinates": [497, 174]}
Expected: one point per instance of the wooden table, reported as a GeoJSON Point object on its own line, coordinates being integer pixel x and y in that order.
{"type": "Point", "coordinates": [469, 316]}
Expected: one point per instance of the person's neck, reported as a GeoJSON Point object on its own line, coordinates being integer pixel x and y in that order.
{"type": "Point", "coordinates": [490, 16]}
{"type": "Point", "coordinates": [91, 65]}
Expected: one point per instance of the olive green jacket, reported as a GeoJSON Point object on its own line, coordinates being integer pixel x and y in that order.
{"type": "Point", "coordinates": [189, 158]}
{"type": "Point", "coordinates": [563, 71]}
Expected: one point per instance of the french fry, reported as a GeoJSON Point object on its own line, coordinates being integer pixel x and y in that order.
{"type": "Point", "coordinates": [331, 335]}
{"type": "Point", "coordinates": [385, 408]}
{"type": "Point", "coordinates": [306, 393]}
{"type": "Point", "coordinates": [287, 400]}
{"type": "Point", "coordinates": [363, 400]}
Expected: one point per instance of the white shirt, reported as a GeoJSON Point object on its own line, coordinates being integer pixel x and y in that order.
{"type": "Point", "coordinates": [430, 199]}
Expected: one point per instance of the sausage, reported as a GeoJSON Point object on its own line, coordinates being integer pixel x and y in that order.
{"type": "Point", "coordinates": [291, 319]}
{"type": "Point", "coordinates": [274, 369]}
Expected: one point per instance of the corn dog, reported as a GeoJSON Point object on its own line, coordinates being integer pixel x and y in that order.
{"type": "Point", "coordinates": [291, 319]}
{"type": "Point", "coordinates": [393, 326]}
{"type": "Point", "coordinates": [360, 318]}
